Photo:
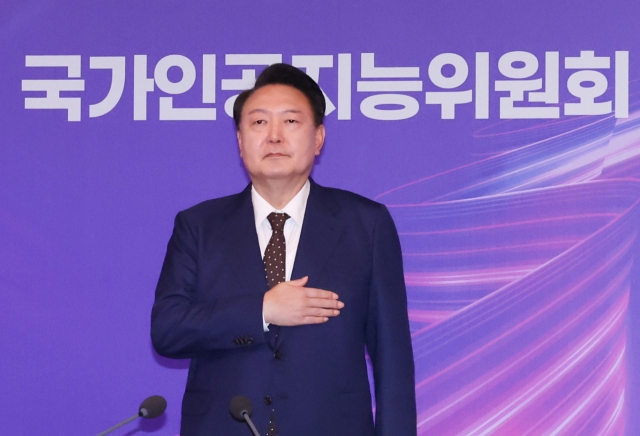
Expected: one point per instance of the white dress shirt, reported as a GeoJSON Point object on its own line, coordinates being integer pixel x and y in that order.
{"type": "Point", "coordinates": [292, 227]}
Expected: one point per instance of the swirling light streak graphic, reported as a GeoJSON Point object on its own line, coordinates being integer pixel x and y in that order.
{"type": "Point", "coordinates": [518, 279]}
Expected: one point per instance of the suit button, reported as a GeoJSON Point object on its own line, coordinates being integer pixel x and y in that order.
{"type": "Point", "coordinates": [249, 341]}
{"type": "Point", "coordinates": [267, 400]}
{"type": "Point", "coordinates": [236, 341]}
{"type": "Point", "coordinates": [277, 355]}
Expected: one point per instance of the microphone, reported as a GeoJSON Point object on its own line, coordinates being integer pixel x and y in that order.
{"type": "Point", "coordinates": [151, 407]}
{"type": "Point", "coordinates": [241, 409]}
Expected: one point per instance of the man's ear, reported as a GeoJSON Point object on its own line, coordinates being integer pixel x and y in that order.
{"type": "Point", "coordinates": [239, 141]}
{"type": "Point", "coordinates": [320, 134]}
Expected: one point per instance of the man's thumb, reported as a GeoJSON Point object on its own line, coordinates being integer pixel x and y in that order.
{"type": "Point", "coordinates": [299, 282]}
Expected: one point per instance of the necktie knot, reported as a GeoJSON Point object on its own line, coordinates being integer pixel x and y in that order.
{"type": "Point", "coordinates": [277, 221]}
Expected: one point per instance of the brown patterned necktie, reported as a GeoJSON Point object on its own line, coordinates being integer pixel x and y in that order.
{"type": "Point", "coordinates": [276, 252]}
{"type": "Point", "coordinates": [275, 269]}
{"type": "Point", "coordinates": [271, 431]}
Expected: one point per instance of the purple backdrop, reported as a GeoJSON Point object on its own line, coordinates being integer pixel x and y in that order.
{"type": "Point", "coordinates": [504, 136]}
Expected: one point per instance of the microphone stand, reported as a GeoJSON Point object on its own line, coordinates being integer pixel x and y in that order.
{"type": "Point", "coordinates": [245, 415]}
{"type": "Point", "coordinates": [117, 426]}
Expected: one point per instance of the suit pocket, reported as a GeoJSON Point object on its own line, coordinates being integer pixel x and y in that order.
{"type": "Point", "coordinates": [196, 402]}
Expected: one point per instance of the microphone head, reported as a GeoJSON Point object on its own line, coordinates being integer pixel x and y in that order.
{"type": "Point", "coordinates": [152, 407]}
{"type": "Point", "coordinates": [239, 406]}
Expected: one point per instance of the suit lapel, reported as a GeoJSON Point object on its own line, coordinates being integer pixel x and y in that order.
{"type": "Point", "coordinates": [243, 256]}
{"type": "Point", "coordinates": [321, 231]}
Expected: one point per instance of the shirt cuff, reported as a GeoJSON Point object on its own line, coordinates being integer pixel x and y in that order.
{"type": "Point", "coordinates": [265, 325]}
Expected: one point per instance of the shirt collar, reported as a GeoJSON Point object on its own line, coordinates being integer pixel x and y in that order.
{"type": "Point", "coordinates": [295, 208]}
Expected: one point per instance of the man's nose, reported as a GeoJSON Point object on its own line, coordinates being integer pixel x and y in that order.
{"type": "Point", "coordinates": [275, 133]}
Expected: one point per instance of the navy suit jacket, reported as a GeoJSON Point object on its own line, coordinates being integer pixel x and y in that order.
{"type": "Point", "coordinates": [208, 308]}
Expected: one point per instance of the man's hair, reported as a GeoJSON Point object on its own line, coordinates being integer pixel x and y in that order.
{"type": "Point", "coordinates": [285, 74]}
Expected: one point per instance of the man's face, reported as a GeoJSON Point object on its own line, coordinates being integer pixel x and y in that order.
{"type": "Point", "coordinates": [278, 139]}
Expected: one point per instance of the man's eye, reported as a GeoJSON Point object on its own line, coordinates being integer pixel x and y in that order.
{"type": "Point", "coordinates": [259, 122]}
{"type": "Point", "coordinates": [292, 121]}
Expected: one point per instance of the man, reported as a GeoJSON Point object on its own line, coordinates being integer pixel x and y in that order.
{"type": "Point", "coordinates": [289, 334]}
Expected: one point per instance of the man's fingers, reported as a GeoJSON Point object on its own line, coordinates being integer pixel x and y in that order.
{"type": "Point", "coordinates": [321, 293]}
{"type": "Point", "coordinates": [314, 319]}
{"type": "Point", "coordinates": [321, 313]}
{"type": "Point", "coordinates": [325, 303]}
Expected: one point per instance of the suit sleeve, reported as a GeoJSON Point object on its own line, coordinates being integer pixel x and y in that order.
{"type": "Point", "coordinates": [388, 336]}
{"type": "Point", "coordinates": [184, 327]}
